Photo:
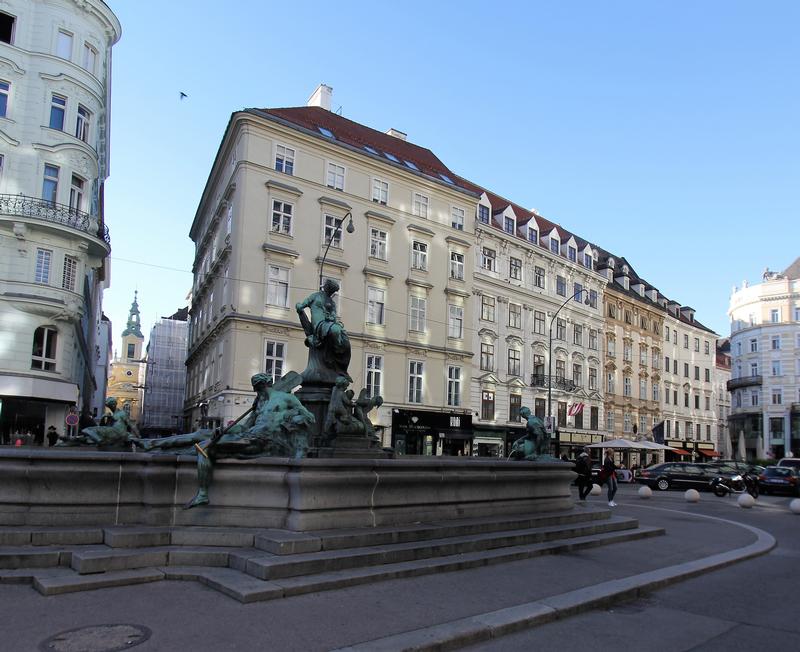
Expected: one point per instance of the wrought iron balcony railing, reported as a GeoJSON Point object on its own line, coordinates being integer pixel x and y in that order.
{"type": "Point", "coordinates": [556, 382]}
{"type": "Point", "coordinates": [24, 206]}
{"type": "Point", "coordinates": [744, 381]}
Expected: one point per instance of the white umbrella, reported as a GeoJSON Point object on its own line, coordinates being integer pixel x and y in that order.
{"type": "Point", "coordinates": [742, 452]}
{"type": "Point", "coordinates": [654, 446]}
{"type": "Point", "coordinates": [760, 455]}
{"type": "Point", "coordinates": [617, 443]}
{"type": "Point", "coordinates": [727, 446]}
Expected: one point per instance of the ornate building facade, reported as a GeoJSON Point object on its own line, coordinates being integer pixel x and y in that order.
{"type": "Point", "coordinates": [55, 65]}
{"type": "Point", "coordinates": [126, 380]}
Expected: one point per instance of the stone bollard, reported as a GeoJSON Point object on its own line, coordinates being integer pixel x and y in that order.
{"type": "Point", "coordinates": [596, 490]}
{"type": "Point", "coordinates": [746, 501]}
{"type": "Point", "coordinates": [692, 496]}
{"type": "Point", "coordinates": [795, 506]}
{"type": "Point", "coordinates": [645, 492]}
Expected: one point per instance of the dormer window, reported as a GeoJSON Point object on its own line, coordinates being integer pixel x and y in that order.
{"type": "Point", "coordinates": [555, 245]}
{"type": "Point", "coordinates": [533, 235]}
{"type": "Point", "coordinates": [588, 261]}
{"type": "Point", "coordinates": [572, 254]}
{"type": "Point", "coordinates": [509, 225]}
{"type": "Point", "coordinates": [483, 214]}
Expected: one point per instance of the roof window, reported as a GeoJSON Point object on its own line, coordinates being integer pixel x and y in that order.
{"type": "Point", "coordinates": [447, 179]}
{"type": "Point", "coordinates": [371, 150]}
{"type": "Point", "coordinates": [411, 165]}
{"type": "Point", "coordinates": [391, 157]}
{"type": "Point", "coordinates": [326, 132]}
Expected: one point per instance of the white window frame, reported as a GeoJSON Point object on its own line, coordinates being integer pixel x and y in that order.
{"type": "Point", "coordinates": [285, 219]}
{"type": "Point", "coordinates": [44, 265]}
{"type": "Point", "coordinates": [488, 308]}
{"type": "Point", "coordinates": [457, 216]}
{"type": "Point", "coordinates": [376, 305]}
{"type": "Point", "coordinates": [416, 374]}
{"type": "Point", "coordinates": [517, 312]}
{"type": "Point", "coordinates": [380, 191]}
{"type": "Point", "coordinates": [64, 44]}
{"type": "Point", "coordinates": [419, 255]}
{"type": "Point", "coordinates": [417, 313]}
{"type": "Point", "coordinates": [273, 359]}
{"type": "Point", "coordinates": [532, 231]}
{"type": "Point", "coordinates": [509, 221]}
{"type": "Point", "coordinates": [69, 275]}
{"type": "Point", "coordinates": [373, 374]}
{"type": "Point", "coordinates": [44, 362]}
{"type": "Point", "coordinates": [420, 205]}
{"type": "Point", "coordinates": [58, 106]}
{"type": "Point", "coordinates": [378, 243]}
{"type": "Point", "coordinates": [284, 156]}
{"type": "Point", "coordinates": [488, 259]}
{"type": "Point", "coordinates": [76, 187]}
{"type": "Point", "coordinates": [89, 62]}
{"type": "Point", "coordinates": [5, 92]}
{"type": "Point", "coordinates": [484, 210]}
{"type": "Point", "coordinates": [278, 286]}
{"type": "Point", "coordinates": [555, 245]}
{"type": "Point", "coordinates": [453, 386]}
{"type": "Point", "coordinates": [334, 177]}
{"type": "Point", "coordinates": [83, 123]}
{"type": "Point", "coordinates": [572, 254]}
{"type": "Point", "coordinates": [331, 228]}
{"type": "Point", "coordinates": [456, 265]}
{"type": "Point", "coordinates": [455, 321]}
{"type": "Point", "coordinates": [512, 267]}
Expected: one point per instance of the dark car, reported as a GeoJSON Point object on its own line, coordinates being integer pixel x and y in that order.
{"type": "Point", "coordinates": [729, 467]}
{"type": "Point", "coordinates": [790, 461]}
{"type": "Point", "coordinates": [677, 475]}
{"type": "Point", "coordinates": [779, 478]}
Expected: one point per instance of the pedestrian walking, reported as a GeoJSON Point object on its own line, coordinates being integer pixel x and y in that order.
{"type": "Point", "coordinates": [52, 436]}
{"type": "Point", "coordinates": [610, 476]}
{"type": "Point", "coordinates": [583, 467]}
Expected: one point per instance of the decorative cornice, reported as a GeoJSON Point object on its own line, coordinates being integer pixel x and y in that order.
{"type": "Point", "coordinates": [451, 239]}
{"type": "Point", "coordinates": [381, 217]}
{"type": "Point", "coordinates": [283, 251]}
{"type": "Point", "coordinates": [284, 187]}
{"type": "Point", "coordinates": [337, 203]}
{"type": "Point", "coordinates": [332, 262]}
{"type": "Point", "coordinates": [418, 283]}
{"type": "Point", "coordinates": [371, 271]}
{"type": "Point", "coordinates": [420, 229]}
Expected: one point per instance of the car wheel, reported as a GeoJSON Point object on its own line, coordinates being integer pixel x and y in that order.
{"type": "Point", "coordinates": [662, 484]}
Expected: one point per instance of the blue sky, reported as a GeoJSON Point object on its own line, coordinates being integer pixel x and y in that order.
{"type": "Point", "coordinates": [666, 132]}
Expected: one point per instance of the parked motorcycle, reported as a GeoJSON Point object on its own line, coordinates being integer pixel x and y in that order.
{"type": "Point", "coordinates": [736, 484]}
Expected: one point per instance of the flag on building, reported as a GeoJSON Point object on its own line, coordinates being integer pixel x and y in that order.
{"type": "Point", "coordinates": [575, 408]}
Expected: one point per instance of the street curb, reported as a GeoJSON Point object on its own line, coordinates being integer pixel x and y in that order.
{"type": "Point", "coordinates": [494, 624]}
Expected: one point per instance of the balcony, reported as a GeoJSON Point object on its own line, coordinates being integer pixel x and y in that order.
{"type": "Point", "coordinates": [556, 382]}
{"type": "Point", "coordinates": [40, 209]}
{"type": "Point", "coordinates": [744, 381]}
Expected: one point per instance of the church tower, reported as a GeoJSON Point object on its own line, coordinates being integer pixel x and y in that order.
{"type": "Point", "coordinates": [127, 370]}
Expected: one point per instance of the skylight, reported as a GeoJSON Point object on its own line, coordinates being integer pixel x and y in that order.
{"type": "Point", "coordinates": [371, 150]}
{"type": "Point", "coordinates": [411, 165]}
{"type": "Point", "coordinates": [326, 132]}
{"type": "Point", "coordinates": [447, 179]}
{"type": "Point", "coordinates": [391, 157]}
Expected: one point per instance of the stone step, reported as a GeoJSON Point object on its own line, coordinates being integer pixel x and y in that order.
{"type": "Point", "coordinates": [271, 567]}
{"type": "Point", "coordinates": [27, 557]}
{"type": "Point", "coordinates": [70, 583]}
{"type": "Point", "coordinates": [112, 559]}
{"type": "Point", "coordinates": [136, 537]}
{"type": "Point", "coordinates": [14, 536]}
{"type": "Point", "coordinates": [27, 575]}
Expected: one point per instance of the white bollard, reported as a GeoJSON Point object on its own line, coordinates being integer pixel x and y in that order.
{"type": "Point", "coordinates": [746, 501]}
{"type": "Point", "coordinates": [692, 496]}
{"type": "Point", "coordinates": [795, 506]}
{"type": "Point", "coordinates": [645, 492]}
{"type": "Point", "coordinates": [596, 490]}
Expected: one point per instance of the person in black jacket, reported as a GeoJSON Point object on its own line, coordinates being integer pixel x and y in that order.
{"type": "Point", "coordinates": [609, 469]}
{"type": "Point", "coordinates": [583, 467]}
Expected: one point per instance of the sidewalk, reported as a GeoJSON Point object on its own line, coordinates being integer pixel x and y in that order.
{"type": "Point", "coordinates": [189, 616]}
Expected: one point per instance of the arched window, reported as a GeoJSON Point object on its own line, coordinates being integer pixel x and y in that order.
{"type": "Point", "coordinates": [43, 355]}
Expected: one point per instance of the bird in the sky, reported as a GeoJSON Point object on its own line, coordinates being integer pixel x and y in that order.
{"type": "Point", "coordinates": [183, 95]}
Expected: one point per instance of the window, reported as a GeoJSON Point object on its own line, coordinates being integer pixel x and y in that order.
{"type": "Point", "coordinates": [754, 369]}
{"type": "Point", "coordinates": [419, 255]}
{"type": "Point", "coordinates": [377, 243]}
{"type": "Point", "coordinates": [592, 378]}
{"type": "Point", "coordinates": [577, 291]}
{"type": "Point", "coordinates": [706, 347]}
{"type": "Point", "coordinates": [776, 367]}
{"type": "Point", "coordinates": [588, 261]}
{"type": "Point", "coordinates": [538, 322]}
{"type": "Point", "coordinates": [456, 265]}
{"type": "Point", "coordinates": [335, 176]}
{"type": "Point", "coordinates": [666, 334]}
{"type": "Point", "coordinates": [643, 389]}
{"type": "Point", "coordinates": [643, 354]}
{"type": "Point", "coordinates": [555, 245]}
{"type": "Point", "coordinates": [374, 370]}
{"type": "Point", "coordinates": [455, 321]}
{"type": "Point", "coordinates": [776, 343]}
{"type": "Point", "coordinates": [333, 233]}
{"type": "Point", "coordinates": [229, 219]}
{"type": "Point", "coordinates": [43, 355]}
{"type": "Point", "coordinates": [420, 207]}
{"type": "Point", "coordinates": [708, 403]}
{"type": "Point", "coordinates": [753, 346]}
{"type": "Point", "coordinates": [656, 397]}
{"type": "Point", "coordinates": [777, 396]}
{"type": "Point", "coordinates": [131, 352]}
{"type": "Point", "coordinates": [775, 315]}
{"type": "Point", "coordinates": [274, 358]}
{"type": "Point", "coordinates": [64, 45]}
{"type": "Point", "coordinates": [278, 286]}
{"type": "Point", "coordinates": [626, 386]}
{"type": "Point", "coordinates": [572, 254]}
{"type": "Point", "coordinates": [708, 375]}
{"type": "Point", "coordinates": [380, 191]}
{"type": "Point", "coordinates": [696, 402]}
{"type": "Point", "coordinates": [675, 337]}
{"type": "Point", "coordinates": [538, 366]}
{"type": "Point", "coordinates": [376, 298]}
{"type": "Point", "coordinates": [611, 345]}
{"type": "Point", "coordinates": [514, 406]}
{"type": "Point", "coordinates": [281, 217]}
{"type": "Point", "coordinates": [754, 399]}
{"type": "Point", "coordinates": [685, 399]}
{"type": "Point", "coordinates": [561, 369]}
{"type": "Point", "coordinates": [89, 58]}
{"type": "Point", "coordinates": [610, 421]}
{"type": "Point", "coordinates": [454, 386]}
{"type": "Point", "coordinates": [509, 225]}
{"type": "Point", "coordinates": [43, 261]}
{"type": "Point", "coordinates": [515, 268]}
{"type": "Point", "coordinates": [58, 106]}
{"type": "Point", "coordinates": [457, 218]}
{"type": "Point", "coordinates": [685, 369]}
{"type": "Point", "coordinates": [577, 375]}
{"type": "Point", "coordinates": [594, 418]}
{"type": "Point", "coordinates": [626, 351]}
{"type": "Point", "coordinates": [627, 425]}
{"type": "Point", "coordinates": [593, 299]}
{"type": "Point", "coordinates": [514, 315]}
{"type": "Point", "coordinates": [610, 382]}
{"type": "Point", "coordinates": [83, 123]}
{"type": "Point", "coordinates": [697, 345]}
{"type": "Point", "coordinates": [70, 274]}
{"type": "Point", "coordinates": [533, 235]}
{"type": "Point", "coordinates": [685, 341]}
{"type": "Point", "coordinates": [627, 316]}
{"type": "Point", "coordinates": [487, 308]}
{"type": "Point", "coordinates": [415, 370]}
{"type": "Point", "coordinates": [643, 323]}
{"type": "Point", "coordinates": [483, 214]}
{"type": "Point", "coordinates": [593, 339]}
{"type": "Point", "coordinates": [561, 286]}
{"type": "Point", "coordinates": [6, 28]}
{"type": "Point", "coordinates": [487, 406]}
{"type": "Point", "coordinates": [488, 259]}
{"type": "Point", "coordinates": [666, 363]}
{"type": "Point", "coordinates": [538, 277]}
{"type": "Point", "coordinates": [5, 87]}
{"type": "Point", "coordinates": [696, 372]}
{"type": "Point", "coordinates": [487, 356]}
{"type": "Point", "coordinates": [76, 193]}
{"type": "Point", "coordinates": [284, 159]}
{"type": "Point", "coordinates": [417, 312]}
{"type": "Point", "coordinates": [514, 364]}
{"type": "Point", "coordinates": [577, 335]}
{"type": "Point", "coordinates": [561, 329]}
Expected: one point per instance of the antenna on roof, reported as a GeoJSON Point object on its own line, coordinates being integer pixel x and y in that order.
{"type": "Point", "coordinates": [339, 110]}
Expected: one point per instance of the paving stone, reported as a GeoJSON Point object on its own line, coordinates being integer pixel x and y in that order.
{"type": "Point", "coordinates": [57, 584]}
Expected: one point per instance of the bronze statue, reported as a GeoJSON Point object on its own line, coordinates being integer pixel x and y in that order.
{"type": "Point", "coordinates": [535, 445]}
{"type": "Point", "coordinates": [339, 418]}
{"type": "Point", "coordinates": [326, 338]}
{"type": "Point", "coordinates": [119, 433]}
{"type": "Point", "coordinates": [364, 406]}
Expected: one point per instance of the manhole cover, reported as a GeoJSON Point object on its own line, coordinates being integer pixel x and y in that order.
{"type": "Point", "coordinates": [97, 638]}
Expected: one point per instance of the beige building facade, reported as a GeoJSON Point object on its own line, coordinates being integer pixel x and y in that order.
{"type": "Point", "coordinates": [127, 370]}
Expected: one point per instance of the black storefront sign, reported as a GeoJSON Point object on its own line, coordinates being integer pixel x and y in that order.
{"type": "Point", "coordinates": [422, 432]}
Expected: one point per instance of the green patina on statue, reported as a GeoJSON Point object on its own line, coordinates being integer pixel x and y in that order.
{"type": "Point", "coordinates": [119, 435]}
{"type": "Point", "coordinates": [535, 445]}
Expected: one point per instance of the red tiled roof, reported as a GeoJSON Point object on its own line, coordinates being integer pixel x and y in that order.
{"type": "Point", "coordinates": [357, 135]}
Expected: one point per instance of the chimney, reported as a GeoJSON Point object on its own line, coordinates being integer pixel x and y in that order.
{"type": "Point", "coordinates": [397, 134]}
{"type": "Point", "coordinates": [321, 97]}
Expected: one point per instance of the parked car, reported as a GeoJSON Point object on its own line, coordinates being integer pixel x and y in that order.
{"type": "Point", "coordinates": [780, 478]}
{"type": "Point", "coordinates": [790, 461]}
{"type": "Point", "coordinates": [678, 475]}
{"type": "Point", "coordinates": [727, 467]}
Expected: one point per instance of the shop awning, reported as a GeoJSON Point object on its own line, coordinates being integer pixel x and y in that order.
{"type": "Point", "coordinates": [708, 453]}
{"type": "Point", "coordinates": [679, 451]}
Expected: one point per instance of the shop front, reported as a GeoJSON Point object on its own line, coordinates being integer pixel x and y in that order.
{"type": "Point", "coordinates": [571, 441]}
{"type": "Point", "coordinates": [28, 406]}
{"type": "Point", "coordinates": [421, 432]}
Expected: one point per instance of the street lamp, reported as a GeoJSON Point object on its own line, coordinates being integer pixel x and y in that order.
{"type": "Point", "coordinates": [337, 229]}
{"type": "Point", "coordinates": [587, 302]}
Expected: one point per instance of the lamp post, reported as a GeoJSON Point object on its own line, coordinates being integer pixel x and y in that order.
{"type": "Point", "coordinates": [550, 351]}
{"type": "Point", "coordinates": [337, 229]}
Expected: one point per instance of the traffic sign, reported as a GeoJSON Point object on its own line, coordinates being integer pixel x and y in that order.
{"type": "Point", "coordinates": [72, 419]}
